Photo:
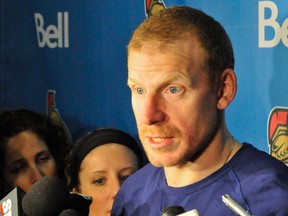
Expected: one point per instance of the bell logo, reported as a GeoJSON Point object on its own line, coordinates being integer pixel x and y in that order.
{"type": "Point", "coordinates": [54, 36]}
{"type": "Point", "coordinates": [280, 32]}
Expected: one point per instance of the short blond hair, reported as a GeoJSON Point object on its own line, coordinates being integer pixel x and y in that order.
{"type": "Point", "coordinates": [180, 23]}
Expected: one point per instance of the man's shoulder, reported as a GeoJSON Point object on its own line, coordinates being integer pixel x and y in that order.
{"type": "Point", "coordinates": [252, 160]}
{"type": "Point", "coordinates": [248, 153]}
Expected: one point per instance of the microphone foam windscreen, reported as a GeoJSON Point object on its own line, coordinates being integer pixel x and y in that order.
{"type": "Point", "coordinates": [70, 212]}
{"type": "Point", "coordinates": [49, 196]}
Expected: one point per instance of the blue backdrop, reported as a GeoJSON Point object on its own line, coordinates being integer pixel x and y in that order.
{"type": "Point", "coordinates": [78, 49]}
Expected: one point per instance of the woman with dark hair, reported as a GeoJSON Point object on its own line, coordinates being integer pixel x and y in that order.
{"type": "Point", "coordinates": [98, 165]}
{"type": "Point", "coordinates": [31, 146]}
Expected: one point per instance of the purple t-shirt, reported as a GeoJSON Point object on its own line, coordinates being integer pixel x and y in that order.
{"type": "Point", "coordinates": [254, 179]}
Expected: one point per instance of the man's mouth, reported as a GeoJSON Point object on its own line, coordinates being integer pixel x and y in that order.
{"type": "Point", "coordinates": [159, 142]}
{"type": "Point", "coordinates": [157, 139]}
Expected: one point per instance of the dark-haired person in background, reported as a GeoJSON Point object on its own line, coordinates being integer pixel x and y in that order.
{"type": "Point", "coordinates": [181, 75]}
{"type": "Point", "coordinates": [31, 146]}
{"type": "Point", "coordinates": [99, 164]}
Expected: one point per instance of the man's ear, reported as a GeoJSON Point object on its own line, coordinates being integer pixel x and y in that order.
{"type": "Point", "coordinates": [227, 88]}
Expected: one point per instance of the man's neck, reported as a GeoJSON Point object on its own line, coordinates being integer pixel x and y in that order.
{"type": "Point", "coordinates": [209, 162]}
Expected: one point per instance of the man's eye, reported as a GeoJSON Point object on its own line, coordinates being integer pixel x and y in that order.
{"type": "Point", "coordinates": [172, 90]}
{"type": "Point", "coordinates": [140, 91]}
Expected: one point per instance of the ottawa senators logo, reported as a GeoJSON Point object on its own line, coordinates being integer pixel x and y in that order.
{"type": "Point", "coordinates": [278, 133]}
{"type": "Point", "coordinates": [54, 114]}
{"type": "Point", "coordinates": [153, 6]}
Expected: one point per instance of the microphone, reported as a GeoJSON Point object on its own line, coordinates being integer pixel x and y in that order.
{"type": "Point", "coordinates": [193, 212]}
{"type": "Point", "coordinates": [11, 203]}
{"type": "Point", "coordinates": [234, 206]}
{"type": "Point", "coordinates": [70, 212]}
{"type": "Point", "coordinates": [48, 196]}
{"type": "Point", "coordinates": [172, 210]}
{"type": "Point", "coordinates": [176, 210]}
{"type": "Point", "coordinates": [80, 203]}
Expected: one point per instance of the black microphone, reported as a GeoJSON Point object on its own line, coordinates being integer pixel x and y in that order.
{"type": "Point", "coordinates": [172, 210]}
{"type": "Point", "coordinates": [11, 203]}
{"type": "Point", "coordinates": [70, 212]}
{"type": "Point", "coordinates": [176, 210]}
{"type": "Point", "coordinates": [80, 203]}
{"type": "Point", "coordinates": [49, 196]}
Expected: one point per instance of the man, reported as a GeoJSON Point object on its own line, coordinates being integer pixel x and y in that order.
{"type": "Point", "coordinates": [180, 64]}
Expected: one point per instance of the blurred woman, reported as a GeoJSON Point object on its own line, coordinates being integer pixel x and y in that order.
{"type": "Point", "coordinates": [31, 146]}
{"type": "Point", "coordinates": [99, 164]}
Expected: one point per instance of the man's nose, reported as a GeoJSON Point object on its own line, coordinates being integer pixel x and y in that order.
{"type": "Point", "coordinates": [152, 112]}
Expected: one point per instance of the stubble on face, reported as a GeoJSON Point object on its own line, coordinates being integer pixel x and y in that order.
{"type": "Point", "coordinates": [158, 156]}
{"type": "Point", "coordinates": [177, 153]}
{"type": "Point", "coordinates": [185, 147]}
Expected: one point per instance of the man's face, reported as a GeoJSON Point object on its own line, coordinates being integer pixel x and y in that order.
{"type": "Point", "coordinates": [174, 103]}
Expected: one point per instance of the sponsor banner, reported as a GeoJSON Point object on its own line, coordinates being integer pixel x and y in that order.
{"type": "Point", "coordinates": [79, 50]}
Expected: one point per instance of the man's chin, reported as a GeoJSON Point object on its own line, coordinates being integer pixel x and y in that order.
{"type": "Point", "coordinates": [163, 164]}
{"type": "Point", "coordinates": [159, 160]}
